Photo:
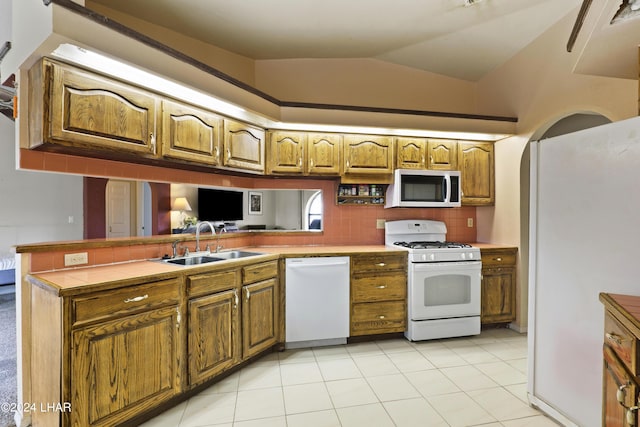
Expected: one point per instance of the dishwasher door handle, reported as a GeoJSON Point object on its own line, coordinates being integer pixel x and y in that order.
{"type": "Point", "coordinates": [329, 264]}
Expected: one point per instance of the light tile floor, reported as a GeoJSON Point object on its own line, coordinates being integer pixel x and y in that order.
{"type": "Point", "coordinates": [471, 381]}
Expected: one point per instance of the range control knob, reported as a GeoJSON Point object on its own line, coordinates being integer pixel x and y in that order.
{"type": "Point", "coordinates": [432, 257]}
{"type": "Point", "coordinates": [470, 255]}
{"type": "Point", "coordinates": [463, 255]}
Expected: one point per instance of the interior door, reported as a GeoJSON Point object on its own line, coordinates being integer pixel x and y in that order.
{"type": "Point", "coordinates": [118, 205]}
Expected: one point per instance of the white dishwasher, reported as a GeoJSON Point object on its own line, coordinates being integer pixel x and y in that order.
{"type": "Point", "coordinates": [317, 301]}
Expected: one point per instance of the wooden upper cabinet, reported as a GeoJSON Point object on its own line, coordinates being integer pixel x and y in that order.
{"type": "Point", "coordinates": [368, 154]}
{"type": "Point", "coordinates": [190, 134]}
{"type": "Point", "coordinates": [286, 152]}
{"type": "Point", "coordinates": [323, 153]}
{"type": "Point", "coordinates": [298, 153]}
{"type": "Point", "coordinates": [442, 154]}
{"type": "Point", "coordinates": [411, 153]}
{"type": "Point", "coordinates": [243, 146]}
{"type": "Point", "coordinates": [84, 110]}
{"type": "Point", "coordinates": [476, 164]}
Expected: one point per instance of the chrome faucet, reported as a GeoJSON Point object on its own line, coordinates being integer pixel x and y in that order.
{"type": "Point", "coordinates": [218, 245]}
{"type": "Point", "coordinates": [198, 225]}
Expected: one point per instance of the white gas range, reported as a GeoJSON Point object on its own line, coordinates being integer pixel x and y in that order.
{"type": "Point", "coordinates": [443, 280]}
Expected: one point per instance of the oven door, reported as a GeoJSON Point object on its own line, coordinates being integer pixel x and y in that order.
{"type": "Point", "coordinates": [444, 290]}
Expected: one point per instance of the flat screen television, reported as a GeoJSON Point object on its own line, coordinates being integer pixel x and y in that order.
{"type": "Point", "coordinates": [220, 205]}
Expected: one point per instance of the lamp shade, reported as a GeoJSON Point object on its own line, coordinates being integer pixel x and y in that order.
{"type": "Point", "coordinates": [181, 204]}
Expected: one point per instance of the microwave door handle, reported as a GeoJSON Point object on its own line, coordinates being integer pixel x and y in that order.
{"type": "Point", "coordinates": [447, 188]}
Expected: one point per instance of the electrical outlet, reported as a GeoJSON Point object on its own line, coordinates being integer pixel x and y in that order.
{"type": "Point", "coordinates": [76, 259]}
{"type": "Point", "coordinates": [380, 224]}
{"type": "Point", "coordinates": [470, 222]}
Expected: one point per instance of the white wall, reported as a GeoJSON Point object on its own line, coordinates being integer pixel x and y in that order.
{"type": "Point", "coordinates": [35, 206]}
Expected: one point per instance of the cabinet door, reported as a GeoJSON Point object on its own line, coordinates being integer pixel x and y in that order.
{"type": "Point", "coordinates": [476, 164]}
{"type": "Point", "coordinates": [243, 146]}
{"type": "Point", "coordinates": [259, 317]}
{"type": "Point", "coordinates": [442, 154]}
{"type": "Point", "coordinates": [286, 152]}
{"type": "Point", "coordinates": [94, 112]}
{"type": "Point", "coordinates": [190, 134]}
{"type": "Point", "coordinates": [213, 329]}
{"type": "Point", "coordinates": [124, 366]}
{"type": "Point", "coordinates": [619, 392]}
{"type": "Point", "coordinates": [498, 295]}
{"type": "Point", "coordinates": [368, 154]}
{"type": "Point", "coordinates": [323, 154]}
{"type": "Point", "coordinates": [412, 153]}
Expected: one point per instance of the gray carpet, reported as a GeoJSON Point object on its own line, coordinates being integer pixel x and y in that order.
{"type": "Point", "coordinates": [8, 385]}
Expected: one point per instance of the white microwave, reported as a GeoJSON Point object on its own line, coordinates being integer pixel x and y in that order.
{"type": "Point", "coordinates": [412, 188]}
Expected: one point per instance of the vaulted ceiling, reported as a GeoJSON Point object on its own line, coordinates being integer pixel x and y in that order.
{"type": "Point", "coordinates": [464, 39]}
{"type": "Point", "coordinates": [448, 37]}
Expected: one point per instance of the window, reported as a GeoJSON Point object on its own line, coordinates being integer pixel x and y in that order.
{"type": "Point", "coordinates": [314, 212]}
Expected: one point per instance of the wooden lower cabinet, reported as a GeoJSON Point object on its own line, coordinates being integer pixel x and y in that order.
{"type": "Point", "coordinates": [378, 293]}
{"type": "Point", "coordinates": [621, 367]}
{"type": "Point", "coordinates": [259, 320]}
{"type": "Point", "coordinates": [211, 316]}
{"type": "Point", "coordinates": [124, 366]}
{"type": "Point", "coordinates": [498, 286]}
{"type": "Point", "coordinates": [116, 354]}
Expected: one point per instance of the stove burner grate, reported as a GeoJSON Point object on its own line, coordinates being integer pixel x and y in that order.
{"type": "Point", "coordinates": [432, 245]}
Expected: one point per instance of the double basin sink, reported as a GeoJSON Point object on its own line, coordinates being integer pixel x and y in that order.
{"type": "Point", "coordinates": [197, 259]}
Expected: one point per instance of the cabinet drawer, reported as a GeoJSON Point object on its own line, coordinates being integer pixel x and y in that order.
{"type": "Point", "coordinates": [257, 272]}
{"type": "Point", "coordinates": [380, 287]}
{"type": "Point", "coordinates": [119, 302]}
{"type": "Point", "coordinates": [203, 284]}
{"type": "Point", "coordinates": [498, 258]}
{"type": "Point", "coordinates": [378, 262]}
{"type": "Point", "coordinates": [378, 318]}
{"type": "Point", "coordinates": [622, 342]}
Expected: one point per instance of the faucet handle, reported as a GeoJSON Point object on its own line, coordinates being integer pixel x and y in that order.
{"type": "Point", "coordinates": [208, 248]}
{"type": "Point", "coordinates": [186, 251]}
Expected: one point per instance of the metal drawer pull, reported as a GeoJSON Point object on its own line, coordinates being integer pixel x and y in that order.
{"type": "Point", "coordinates": [498, 259]}
{"type": "Point", "coordinates": [381, 264]}
{"type": "Point", "coordinates": [136, 299]}
{"type": "Point", "coordinates": [382, 287]}
{"type": "Point", "coordinates": [381, 316]}
{"type": "Point", "coordinates": [613, 337]}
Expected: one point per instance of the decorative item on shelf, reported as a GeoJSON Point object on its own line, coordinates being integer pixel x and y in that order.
{"type": "Point", "coordinates": [360, 194]}
{"type": "Point", "coordinates": [181, 204]}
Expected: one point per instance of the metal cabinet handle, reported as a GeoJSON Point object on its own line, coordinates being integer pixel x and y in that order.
{"type": "Point", "coordinates": [499, 259]}
{"type": "Point", "coordinates": [152, 137]}
{"type": "Point", "coordinates": [631, 415]}
{"type": "Point", "coordinates": [620, 394]}
{"type": "Point", "coordinates": [247, 293]}
{"type": "Point", "coordinates": [136, 299]}
{"type": "Point", "coordinates": [382, 287]}
{"type": "Point", "coordinates": [235, 298]}
{"type": "Point", "coordinates": [381, 264]}
{"type": "Point", "coordinates": [382, 316]}
{"type": "Point", "coordinates": [617, 339]}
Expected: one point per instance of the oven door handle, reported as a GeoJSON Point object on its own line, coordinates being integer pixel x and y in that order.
{"type": "Point", "coordinates": [458, 265]}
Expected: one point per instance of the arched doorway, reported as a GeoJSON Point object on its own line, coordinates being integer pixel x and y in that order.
{"type": "Point", "coordinates": [555, 127]}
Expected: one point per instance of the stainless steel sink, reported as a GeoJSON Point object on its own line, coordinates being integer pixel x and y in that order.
{"type": "Point", "coordinates": [234, 254]}
{"type": "Point", "coordinates": [193, 260]}
{"type": "Point", "coordinates": [210, 257]}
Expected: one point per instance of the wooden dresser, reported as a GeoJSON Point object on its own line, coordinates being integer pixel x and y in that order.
{"type": "Point", "coordinates": [620, 354]}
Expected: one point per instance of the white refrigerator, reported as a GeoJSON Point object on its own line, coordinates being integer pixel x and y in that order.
{"type": "Point", "coordinates": [584, 237]}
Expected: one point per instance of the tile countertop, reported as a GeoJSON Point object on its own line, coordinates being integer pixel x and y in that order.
{"type": "Point", "coordinates": [64, 282]}
{"type": "Point", "coordinates": [103, 276]}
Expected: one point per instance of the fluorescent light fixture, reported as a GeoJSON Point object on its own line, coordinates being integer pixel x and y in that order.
{"type": "Point", "coordinates": [419, 133]}
{"type": "Point", "coordinates": [134, 75]}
